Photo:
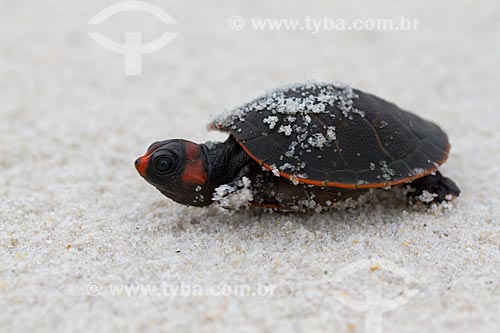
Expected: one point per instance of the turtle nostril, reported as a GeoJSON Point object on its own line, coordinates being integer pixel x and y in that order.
{"type": "Point", "coordinates": [137, 161]}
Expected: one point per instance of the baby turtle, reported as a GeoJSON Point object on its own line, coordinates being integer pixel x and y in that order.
{"type": "Point", "coordinates": [304, 146]}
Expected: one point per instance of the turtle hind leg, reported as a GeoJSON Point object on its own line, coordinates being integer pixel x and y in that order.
{"type": "Point", "coordinates": [433, 188]}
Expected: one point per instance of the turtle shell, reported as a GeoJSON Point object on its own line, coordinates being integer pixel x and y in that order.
{"type": "Point", "coordinates": [333, 135]}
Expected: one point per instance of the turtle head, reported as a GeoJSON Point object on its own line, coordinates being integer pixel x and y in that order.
{"type": "Point", "coordinates": [178, 169]}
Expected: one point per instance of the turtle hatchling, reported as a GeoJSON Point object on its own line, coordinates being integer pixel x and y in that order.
{"type": "Point", "coordinates": [304, 146]}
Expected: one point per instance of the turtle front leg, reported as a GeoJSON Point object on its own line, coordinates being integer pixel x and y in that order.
{"type": "Point", "coordinates": [237, 193]}
{"type": "Point", "coordinates": [434, 188]}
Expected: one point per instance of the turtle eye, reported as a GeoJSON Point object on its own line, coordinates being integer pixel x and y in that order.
{"type": "Point", "coordinates": [164, 164]}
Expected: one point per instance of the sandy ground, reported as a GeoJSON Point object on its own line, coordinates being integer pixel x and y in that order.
{"type": "Point", "coordinates": [77, 222]}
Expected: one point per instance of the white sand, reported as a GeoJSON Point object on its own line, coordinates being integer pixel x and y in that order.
{"type": "Point", "coordinates": [73, 211]}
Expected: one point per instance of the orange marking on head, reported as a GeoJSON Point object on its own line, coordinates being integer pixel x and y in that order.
{"type": "Point", "coordinates": [193, 150]}
{"type": "Point", "coordinates": [141, 164]}
{"type": "Point", "coordinates": [194, 172]}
